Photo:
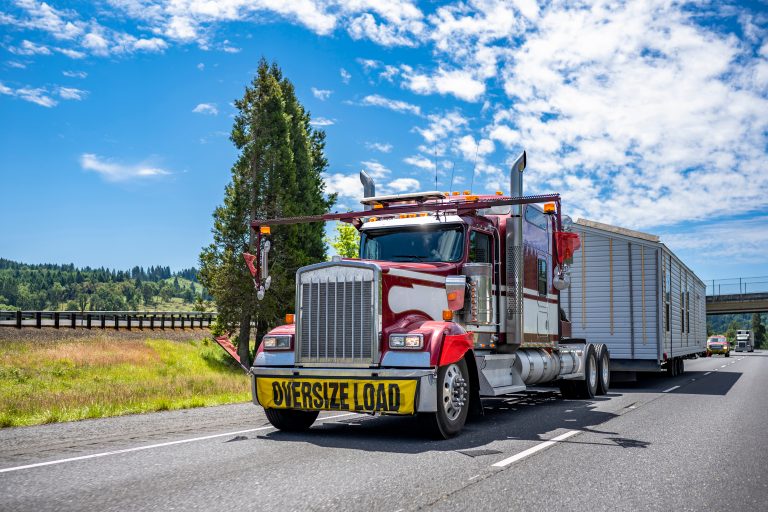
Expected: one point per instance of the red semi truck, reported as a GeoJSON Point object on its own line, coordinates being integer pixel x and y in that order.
{"type": "Point", "coordinates": [455, 297]}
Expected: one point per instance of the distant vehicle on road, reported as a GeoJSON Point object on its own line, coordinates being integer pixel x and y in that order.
{"type": "Point", "coordinates": [745, 340]}
{"type": "Point", "coordinates": [718, 345]}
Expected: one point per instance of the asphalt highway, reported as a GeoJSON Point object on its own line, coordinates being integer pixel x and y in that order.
{"type": "Point", "coordinates": [694, 442]}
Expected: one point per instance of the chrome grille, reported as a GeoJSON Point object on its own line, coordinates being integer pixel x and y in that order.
{"type": "Point", "coordinates": [338, 314]}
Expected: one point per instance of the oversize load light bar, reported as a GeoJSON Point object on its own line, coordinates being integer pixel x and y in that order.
{"type": "Point", "coordinates": [461, 205]}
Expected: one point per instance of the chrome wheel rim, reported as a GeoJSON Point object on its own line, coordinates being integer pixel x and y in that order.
{"type": "Point", "coordinates": [592, 372]}
{"type": "Point", "coordinates": [606, 370]}
{"type": "Point", "coordinates": [454, 392]}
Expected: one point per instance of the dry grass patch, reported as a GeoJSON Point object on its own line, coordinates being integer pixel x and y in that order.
{"type": "Point", "coordinates": [76, 379]}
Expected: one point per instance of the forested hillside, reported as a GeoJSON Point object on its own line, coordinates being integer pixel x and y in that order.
{"type": "Point", "coordinates": [66, 287]}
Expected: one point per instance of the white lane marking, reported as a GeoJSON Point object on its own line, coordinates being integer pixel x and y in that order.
{"type": "Point", "coordinates": [151, 446]}
{"type": "Point", "coordinates": [670, 389]}
{"type": "Point", "coordinates": [707, 373]}
{"type": "Point", "coordinates": [723, 366]}
{"type": "Point", "coordinates": [534, 449]}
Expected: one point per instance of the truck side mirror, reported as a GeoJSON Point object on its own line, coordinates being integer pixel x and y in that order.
{"type": "Point", "coordinates": [455, 288]}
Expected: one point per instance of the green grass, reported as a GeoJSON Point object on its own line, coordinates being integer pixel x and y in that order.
{"type": "Point", "coordinates": [78, 379]}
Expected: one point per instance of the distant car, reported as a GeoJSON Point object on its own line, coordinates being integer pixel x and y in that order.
{"type": "Point", "coordinates": [718, 345]}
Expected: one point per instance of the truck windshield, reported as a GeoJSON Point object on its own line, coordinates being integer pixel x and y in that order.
{"type": "Point", "coordinates": [418, 243]}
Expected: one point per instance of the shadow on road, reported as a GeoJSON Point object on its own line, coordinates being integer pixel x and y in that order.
{"type": "Point", "coordinates": [530, 416]}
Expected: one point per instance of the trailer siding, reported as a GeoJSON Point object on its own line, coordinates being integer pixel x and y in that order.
{"type": "Point", "coordinates": [618, 292]}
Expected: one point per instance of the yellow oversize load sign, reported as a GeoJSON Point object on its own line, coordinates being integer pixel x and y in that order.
{"type": "Point", "coordinates": [356, 395]}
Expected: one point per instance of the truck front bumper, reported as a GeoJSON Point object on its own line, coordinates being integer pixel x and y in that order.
{"type": "Point", "coordinates": [425, 378]}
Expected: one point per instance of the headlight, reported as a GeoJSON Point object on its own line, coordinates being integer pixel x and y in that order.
{"type": "Point", "coordinates": [406, 341]}
{"type": "Point", "coordinates": [276, 342]}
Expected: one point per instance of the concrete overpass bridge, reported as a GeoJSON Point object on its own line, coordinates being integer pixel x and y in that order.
{"type": "Point", "coordinates": [737, 295]}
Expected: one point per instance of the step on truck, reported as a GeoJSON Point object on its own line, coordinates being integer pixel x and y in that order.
{"type": "Point", "coordinates": [455, 297]}
{"type": "Point", "coordinates": [629, 291]}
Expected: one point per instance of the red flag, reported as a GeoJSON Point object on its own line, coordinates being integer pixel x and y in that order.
{"type": "Point", "coordinates": [249, 261]}
{"type": "Point", "coordinates": [567, 244]}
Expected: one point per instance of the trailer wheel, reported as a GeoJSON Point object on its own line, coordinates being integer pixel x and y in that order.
{"type": "Point", "coordinates": [291, 420]}
{"type": "Point", "coordinates": [672, 367]}
{"type": "Point", "coordinates": [453, 396]}
{"type": "Point", "coordinates": [681, 365]}
{"type": "Point", "coordinates": [603, 370]}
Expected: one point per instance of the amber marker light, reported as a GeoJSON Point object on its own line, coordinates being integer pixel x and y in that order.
{"type": "Point", "coordinates": [378, 206]}
{"type": "Point", "coordinates": [265, 230]}
{"type": "Point", "coordinates": [499, 193]}
{"type": "Point", "coordinates": [549, 207]}
{"type": "Point", "coordinates": [447, 315]}
{"type": "Point", "coordinates": [290, 318]}
{"type": "Point", "coordinates": [455, 193]}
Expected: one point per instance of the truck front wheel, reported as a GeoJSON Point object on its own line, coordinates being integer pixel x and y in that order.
{"type": "Point", "coordinates": [453, 395]}
{"type": "Point", "coordinates": [291, 420]}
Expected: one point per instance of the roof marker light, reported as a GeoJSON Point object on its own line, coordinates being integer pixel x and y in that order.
{"type": "Point", "coordinates": [378, 206]}
{"type": "Point", "coordinates": [499, 193]}
{"type": "Point", "coordinates": [265, 230]}
{"type": "Point", "coordinates": [549, 207]}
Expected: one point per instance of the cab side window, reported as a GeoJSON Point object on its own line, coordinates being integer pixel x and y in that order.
{"type": "Point", "coordinates": [535, 217]}
{"type": "Point", "coordinates": [541, 274]}
{"type": "Point", "coordinates": [480, 248]}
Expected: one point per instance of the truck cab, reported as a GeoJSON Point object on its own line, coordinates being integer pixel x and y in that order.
{"type": "Point", "coordinates": [454, 297]}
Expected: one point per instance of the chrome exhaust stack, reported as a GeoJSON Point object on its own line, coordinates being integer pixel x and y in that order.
{"type": "Point", "coordinates": [515, 264]}
{"type": "Point", "coordinates": [369, 187]}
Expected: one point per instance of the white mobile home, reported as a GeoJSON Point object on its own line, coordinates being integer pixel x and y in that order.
{"type": "Point", "coordinates": [629, 291]}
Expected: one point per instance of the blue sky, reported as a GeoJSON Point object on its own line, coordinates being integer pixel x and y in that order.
{"type": "Point", "coordinates": [649, 115]}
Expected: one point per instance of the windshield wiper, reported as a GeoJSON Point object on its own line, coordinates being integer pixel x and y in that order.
{"type": "Point", "coordinates": [419, 258]}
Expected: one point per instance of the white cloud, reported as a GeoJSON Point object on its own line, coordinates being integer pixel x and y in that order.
{"type": "Point", "coordinates": [321, 94]}
{"type": "Point", "coordinates": [75, 74]}
{"type": "Point", "coordinates": [112, 171]}
{"type": "Point", "coordinates": [401, 185]}
{"type": "Point", "coordinates": [37, 95]}
{"type": "Point", "coordinates": [206, 108]}
{"type": "Point", "coordinates": [375, 169]}
{"type": "Point", "coordinates": [471, 149]}
{"type": "Point", "coordinates": [421, 162]}
{"type": "Point", "coordinates": [322, 121]}
{"type": "Point", "coordinates": [153, 44]}
{"type": "Point", "coordinates": [459, 83]}
{"type": "Point", "coordinates": [345, 76]}
{"type": "Point", "coordinates": [201, 66]}
{"type": "Point", "coordinates": [736, 241]}
{"type": "Point", "coordinates": [30, 48]}
{"type": "Point", "coordinates": [15, 64]}
{"type": "Point", "coordinates": [70, 93]}
{"type": "Point", "coordinates": [384, 147]}
{"type": "Point", "coordinates": [396, 105]}
{"type": "Point", "coordinates": [442, 125]}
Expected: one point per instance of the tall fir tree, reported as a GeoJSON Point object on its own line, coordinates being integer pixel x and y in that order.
{"type": "Point", "coordinates": [278, 173]}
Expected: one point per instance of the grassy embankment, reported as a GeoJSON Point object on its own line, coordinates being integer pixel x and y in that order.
{"type": "Point", "coordinates": [73, 379]}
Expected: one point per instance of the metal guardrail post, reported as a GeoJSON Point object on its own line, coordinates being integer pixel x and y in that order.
{"type": "Point", "coordinates": [173, 321]}
{"type": "Point", "coordinates": [56, 320]}
{"type": "Point", "coordinates": [18, 319]}
{"type": "Point", "coordinates": [38, 319]}
{"type": "Point", "coordinates": [162, 321]}
{"type": "Point", "coordinates": [141, 322]}
{"type": "Point", "coordinates": [103, 321]}
{"type": "Point", "coordinates": [117, 321]}
{"type": "Point", "coordinates": [88, 320]}
{"type": "Point", "coordinates": [152, 322]}
{"type": "Point", "coordinates": [181, 320]}
{"type": "Point", "coordinates": [73, 320]}
{"type": "Point", "coordinates": [128, 321]}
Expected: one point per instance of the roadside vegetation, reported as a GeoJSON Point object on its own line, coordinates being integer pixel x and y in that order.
{"type": "Point", "coordinates": [73, 379]}
{"type": "Point", "coordinates": [69, 288]}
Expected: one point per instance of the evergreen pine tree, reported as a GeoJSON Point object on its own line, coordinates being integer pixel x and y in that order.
{"type": "Point", "coordinates": [277, 174]}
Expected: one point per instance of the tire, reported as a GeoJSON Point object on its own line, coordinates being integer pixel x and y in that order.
{"type": "Point", "coordinates": [453, 397]}
{"type": "Point", "coordinates": [727, 354]}
{"type": "Point", "coordinates": [672, 367]}
{"type": "Point", "coordinates": [603, 370]}
{"type": "Point", "coordinates": [586, 388]}
{"type": "Point", "coordinates": [681, 366]}
{"type": "Point", "coordinates": [291, 420]}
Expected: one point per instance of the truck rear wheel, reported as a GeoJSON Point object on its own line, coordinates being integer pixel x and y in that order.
{"type": "Point", "coordinates": [453, 395]}
{"type": "Point", "coordinates": [586, 388]}
{"type": "Point", "coordinates": [290, 420]}
{"type": "Point", "coordinates": [603, 370]}
{"type": "Point", "coordinates": [672, 367]}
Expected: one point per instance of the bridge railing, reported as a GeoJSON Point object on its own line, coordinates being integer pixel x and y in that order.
{"type": "Point", "coordinates": [107, 319]}
{"type": "Point", "coordinates": [736, 286]}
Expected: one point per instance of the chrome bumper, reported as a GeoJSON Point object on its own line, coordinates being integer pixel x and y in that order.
{"type": "Point", "coordinates": [426, 401]}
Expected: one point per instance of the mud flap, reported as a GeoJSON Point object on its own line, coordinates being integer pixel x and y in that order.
{"type": "Point", "coordinates": [230, 349]}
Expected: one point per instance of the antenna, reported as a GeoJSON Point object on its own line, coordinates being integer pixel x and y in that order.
{"type": "Point", "coordinates": [434, 153]}
{"type": "Point", "coordinates": [477, 150]}
{"type": "Point", "coordinates": [453, 168]}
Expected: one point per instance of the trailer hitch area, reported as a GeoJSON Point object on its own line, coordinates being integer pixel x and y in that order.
{"type": "Point", "coordinates": [230, 349]}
